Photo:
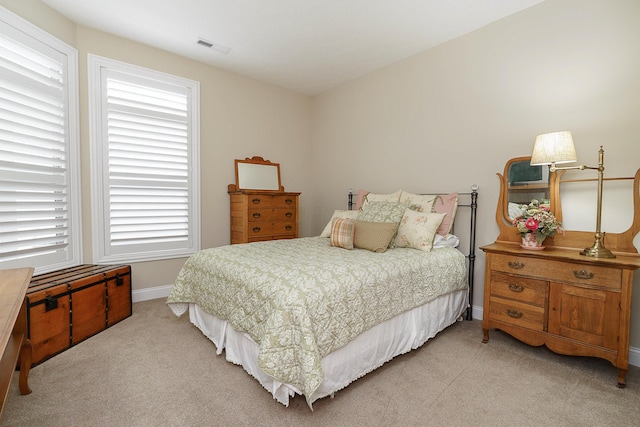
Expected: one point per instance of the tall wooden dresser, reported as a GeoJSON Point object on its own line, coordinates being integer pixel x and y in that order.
{"type": "Point", "coordinates": [258, 216]}
{"type": "Point", "coordinates": [573, 304]}
{"type": "Point", "coordinates": [260, 208]}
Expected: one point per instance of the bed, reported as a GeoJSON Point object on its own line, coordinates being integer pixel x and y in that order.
{"type": "Point", "coordinates": [311, 315]}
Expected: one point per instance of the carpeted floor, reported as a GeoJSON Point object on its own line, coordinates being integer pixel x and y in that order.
{"type": "Point", "coordinates": [154, 369]}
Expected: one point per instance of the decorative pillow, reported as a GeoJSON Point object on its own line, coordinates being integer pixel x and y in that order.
{"type": "Point", "coordinates": [447, 204]}
{"type": "Point", "coordinates": [373, 197]}
{"type": "Point", "coordinates": [360, 199]}
{"type": "Point", "coordinates": [382, 212]}
{"type": "Point", "coordinates": [448, 241]}
{"type": "Point", "coordinates": [374, 236]}
{"type": "Point", "coordinates": [337, 214]}
{"type": "Point", "coordinates": [418, 202]}
{"type": "Point", "coordinates": [390, 212]}
{"type": "Point", "coordinates": [342, 231]}
{"type": "Point", "coordinates": [418, 229]}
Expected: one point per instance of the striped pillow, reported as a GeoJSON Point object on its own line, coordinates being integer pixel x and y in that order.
{"type": "Point", "coordinates": [342, 230]}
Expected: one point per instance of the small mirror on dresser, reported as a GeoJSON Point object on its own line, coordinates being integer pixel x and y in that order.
{"type": "Point", "coordinates": [524, 183]}
{"type": "Point", "coordinates": [520, 184]}
{"type": "Point", "coordinates": [257, 173]}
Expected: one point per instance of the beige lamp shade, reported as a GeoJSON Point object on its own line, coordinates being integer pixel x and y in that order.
{"type": "Point", "coordinates": [555, 147]}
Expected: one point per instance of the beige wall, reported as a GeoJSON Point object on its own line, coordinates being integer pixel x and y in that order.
{"type": "Point", "coordinates": [240, 118]}
{"type": "Point", "coordinates": [450, 117]}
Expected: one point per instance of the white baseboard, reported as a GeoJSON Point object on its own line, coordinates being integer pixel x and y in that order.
{"type": "Point", "coordinates": [147, 294]}
{"type": "Point", "coordinates": [634, 356]}
{"type": "Point", "coordinates": [634, 353]}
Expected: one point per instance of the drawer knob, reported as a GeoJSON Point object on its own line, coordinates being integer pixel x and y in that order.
{"type": "Point", "coordinates": [256, 214]}
{"type": "Point", "coordinates": [516, 265]}
{"type": "Point", "coordinates": [256, 229]}
{"type": "Point", "coordinates": [288, 201]}
{"type": "Point", "coordinates": [514, 313]}
{"type": "Point", "coordinates": [289, 214]}
{"type": "Point", "coordinates": [583, 274]}
{"type": "Point", "coordinates": [288, 227]}
{"type": "Point", "coordinates": [256, 201]}
{"type": "Point", "coordinates": [515, 287]}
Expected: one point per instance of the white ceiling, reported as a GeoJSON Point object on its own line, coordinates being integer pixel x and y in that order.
{"type": "Point", "coordinates": [304, 45]}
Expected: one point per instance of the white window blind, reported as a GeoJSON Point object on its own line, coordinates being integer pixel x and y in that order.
{"type": "Point", "coordinates": [39, 191]}
{"type": "Point", "coordinates": [144, 148]}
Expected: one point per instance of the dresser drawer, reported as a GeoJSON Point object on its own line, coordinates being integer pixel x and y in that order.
{"type": "Point", "coordinates": [516, 313]}
{"type": "Point", "coordinates": [277, 201]}
{"type": "Point", "coordinates": [260, 216]}
{"type": "Point", "coordinates": [519, 288]}
{"type": "Point", "coordinates": [272, 229]}
{"type": "Point", "coordinates": [558, 270]}
{"type": "Point", "coordinates": [266, 214]}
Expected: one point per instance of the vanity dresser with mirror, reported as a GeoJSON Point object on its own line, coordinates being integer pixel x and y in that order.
{"type": "Point", "coordinates": [260, 208]}
{"type": "Point", "coordinates": [572, 303]}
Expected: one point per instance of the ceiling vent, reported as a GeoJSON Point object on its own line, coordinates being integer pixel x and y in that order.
{"type": "Point", "coordinates": [214, 46]}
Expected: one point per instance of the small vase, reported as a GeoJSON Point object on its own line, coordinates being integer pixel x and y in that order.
{"type": "Point", "coordinates": [529, 242]}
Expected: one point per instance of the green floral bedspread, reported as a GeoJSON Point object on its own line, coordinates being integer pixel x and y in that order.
{"type": "Point", "coordinates": [301, 299]}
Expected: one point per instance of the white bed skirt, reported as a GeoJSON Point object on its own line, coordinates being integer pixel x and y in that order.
{"type": "Point", "coordinates": [365, 353]}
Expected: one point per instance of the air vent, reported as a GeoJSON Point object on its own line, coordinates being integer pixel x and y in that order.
{"type": "Point", "coordinates": [205, 43]}
{"type": "Point", "coordinates": [214, 46]}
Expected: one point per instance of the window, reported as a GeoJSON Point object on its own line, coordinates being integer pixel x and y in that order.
{"type": "Point", "coordinates": [40, 221]}
{"type": "Point", "coordinates": [144, 154]}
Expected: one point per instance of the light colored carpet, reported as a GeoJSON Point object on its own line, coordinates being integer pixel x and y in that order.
{"type": "Point", "coordinates": [154, 369]}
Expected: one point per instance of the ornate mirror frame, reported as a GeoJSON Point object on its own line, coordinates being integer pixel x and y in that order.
{"type": "Point", "coordinates": [257, 174]}
{"type": "Point", "coordinates": [621, 243]}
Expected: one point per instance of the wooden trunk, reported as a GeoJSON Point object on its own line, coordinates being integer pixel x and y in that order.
{"type": "Point", "coordinates": [67, 306]}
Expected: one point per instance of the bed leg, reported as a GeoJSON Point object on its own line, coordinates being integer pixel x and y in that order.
{"type": "Point", "coordinates": [333, 395]}
{"type": "Point", "coordinates": [485, 338]}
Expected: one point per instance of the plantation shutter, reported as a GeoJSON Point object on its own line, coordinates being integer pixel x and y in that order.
{"type": "Point", "coordinates": [147, 146]}
{"type": "Point", "coordinates": [39, 212]}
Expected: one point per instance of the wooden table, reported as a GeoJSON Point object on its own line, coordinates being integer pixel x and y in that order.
{"type": "Point", "coordinates": [14, 345]}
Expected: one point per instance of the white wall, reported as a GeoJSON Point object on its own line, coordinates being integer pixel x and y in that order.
{"type": "Point", "coordinates": [451, 117]}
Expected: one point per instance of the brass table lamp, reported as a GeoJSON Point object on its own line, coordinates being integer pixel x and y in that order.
{"type": "Point", "coordinates": [556, 148]}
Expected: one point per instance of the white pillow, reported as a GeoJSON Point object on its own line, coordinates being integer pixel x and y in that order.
{"type": "Point", "coordinates": [418, 229]}
{"type": "Point", "coordinates": [448, 241]}
{"type": "Point", "coordinates": [338, 214]}
{"type": "Point", "coordinates": [418, 202]}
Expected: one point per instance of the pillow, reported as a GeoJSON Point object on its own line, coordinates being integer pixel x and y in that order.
{"type": "Point", "coordinates": [337, 214]}
{"type": "Point", "coordinates": [418, 202]}
{"type": "Point", "coordinates": [373, 197]}
{"type": "Point", "coordinates": [374, 236]}
{"type": "Point", "coordinates": [447, 204]}
{"type": "Point", "coordinates": [342, 230]}
{"type": "Point", "coordinates": [382, 212]}
{"type": "Point", "coordinates": [390, 212]}
{"type": "Point", "coordinates": [418, 229]}
{"type": "Point", "coordinates": [360, 199]}
{"type": "Point", "coordinates": [448, 241]}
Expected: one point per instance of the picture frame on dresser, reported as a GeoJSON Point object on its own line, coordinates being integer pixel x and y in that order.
{"type": "Point", "coordinates": [573, 304]}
